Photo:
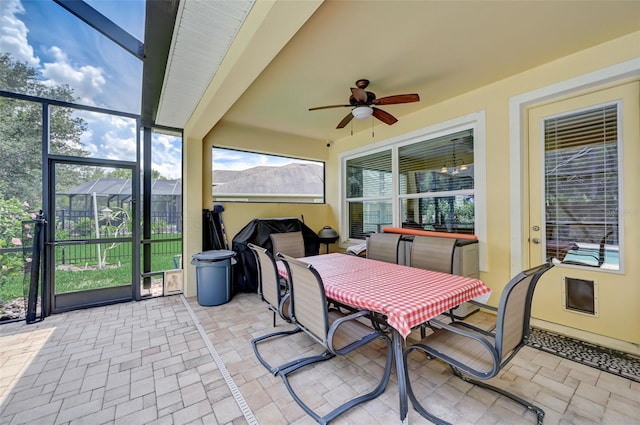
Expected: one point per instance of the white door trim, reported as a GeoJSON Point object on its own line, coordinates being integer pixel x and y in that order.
{"type": "Point", "coordinates": [518, 136]}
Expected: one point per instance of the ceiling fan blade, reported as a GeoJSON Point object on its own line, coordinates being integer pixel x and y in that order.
{"type": "Point", "coordinates": [398, 98]}
{"type": "Point", "coordinates": [359, 94]}
{"type": "Point", "coordinates": [329, 106]}
{"type": "Point", "coordinates": [383, 116]}
{"type": "Point", "coordinates": [345, 120]}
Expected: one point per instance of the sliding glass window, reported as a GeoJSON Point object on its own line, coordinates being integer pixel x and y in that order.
{"type": "Point", "coordinates": [427, 184]}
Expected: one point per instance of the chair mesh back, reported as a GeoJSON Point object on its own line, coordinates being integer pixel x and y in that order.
{"type": "Point", "coordinates": [514, 316]}
{"type": "Point", "coordinates": [433, 253]}
{"type": "Point", "coordinates": [268, 276]}
{"type": "Point", "coordinates": [383, 247]}
{"type": "Point", "coordinates": [514, 310]}
{"type": "Point", "coordinates": [290, 243]}
{"type": "Point", "coordinates": [309, 303]}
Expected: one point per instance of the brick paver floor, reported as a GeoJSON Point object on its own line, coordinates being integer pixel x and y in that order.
{"type": "Point", "coordinates": [171, 361]}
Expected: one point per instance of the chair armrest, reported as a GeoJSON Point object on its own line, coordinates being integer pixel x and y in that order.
{"type": "Point", "coordinates": [478, 335]}
{"type": "Point", "coordinates": [364, 337]}
{"type": "Point", "coordinates": [285, 313]}
{"type": "Point", "coordinates": [475, 328]}
{"type": "Point", "coordinates": [423, 345]}
{"type": "Point", "coordinates": [483, 305]}
{"type": "Point", "coordinates": [348, 317]}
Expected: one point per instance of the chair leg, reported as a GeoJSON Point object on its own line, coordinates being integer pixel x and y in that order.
{"type": "Point", "coordinates": [347, 405]}
{"type": "Point", "coordinates": [537, 410]}
{"type": "Point", "coordinates": [414, 401]}
{"type": "Point", "coordinates": [273, 369]}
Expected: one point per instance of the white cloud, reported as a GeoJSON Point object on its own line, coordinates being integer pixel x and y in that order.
{"type": "Point", "coordinates": [115, 146]}
{"type": "Point", "coordinates": [108, 137]}
{"type": "Point", "coordinates": [166, 156]}
{"type": "Point", "coordinates": [13, 36]}
{"type": "Point", "coordinates": [86, 81]}
{"type": "Point", "coordinates": [229, 159]}
{"type": "Point", "coordinates": [170, 170]}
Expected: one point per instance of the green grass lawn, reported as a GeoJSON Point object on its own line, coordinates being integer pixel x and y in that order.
{"type": "Point", "coordinates": [71, 278]}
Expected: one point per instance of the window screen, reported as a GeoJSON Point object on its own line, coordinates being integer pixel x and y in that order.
{"type": "Point", "coordinates": [581, 185]}
{"type": "Point", "coordinates": [240, 176]}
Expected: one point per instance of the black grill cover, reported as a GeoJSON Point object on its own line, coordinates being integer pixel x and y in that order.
{"type": "Point", "coordinates": [257, 232]}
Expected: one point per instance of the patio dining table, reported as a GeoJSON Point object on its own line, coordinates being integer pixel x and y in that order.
{"type": "Point", "coordinates": [406, 296]}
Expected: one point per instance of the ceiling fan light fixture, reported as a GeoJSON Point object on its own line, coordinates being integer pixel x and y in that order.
{"type": "Point", "coordinates": [362, 112]}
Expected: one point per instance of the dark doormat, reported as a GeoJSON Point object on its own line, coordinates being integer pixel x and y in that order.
{"type": "Point", "coordinates": [612, 361]}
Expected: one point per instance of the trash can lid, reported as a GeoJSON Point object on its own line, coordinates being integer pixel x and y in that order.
{"type": "Point", "coordinates": [216, 254]}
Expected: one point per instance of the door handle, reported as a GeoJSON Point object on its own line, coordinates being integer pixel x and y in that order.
{"type": "Point", "coordinates": [535, 240]}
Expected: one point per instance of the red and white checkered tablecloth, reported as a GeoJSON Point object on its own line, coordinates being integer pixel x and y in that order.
{"type": "Point", "coordinates": [407, 296]}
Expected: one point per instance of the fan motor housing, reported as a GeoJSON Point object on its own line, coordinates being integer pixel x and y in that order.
{"type": "Point", "coordinates": [370, 98]}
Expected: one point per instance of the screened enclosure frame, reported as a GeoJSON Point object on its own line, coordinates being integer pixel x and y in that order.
{"type": "Point", "coordinates": [141, 237]}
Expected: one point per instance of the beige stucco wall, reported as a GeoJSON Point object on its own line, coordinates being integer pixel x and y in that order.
{"type": "Point", "coordinates": [237, 214]}
{"type": "Point", "coordinates": [197, 166]}
{"type": "Point", "coordinates": [620, 313]}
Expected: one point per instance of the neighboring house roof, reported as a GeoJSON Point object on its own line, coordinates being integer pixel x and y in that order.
{"type": "Point", "coordinates": [224, 176]}
{"type": "Point", "coordinates": [289, 179]}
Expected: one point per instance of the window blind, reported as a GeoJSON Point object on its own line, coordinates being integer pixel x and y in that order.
{"type": "Point", "coordinates": [440, 164]}
{"type": "Point", "coordinates": [581, 179]}
{"type": "Point", "coordinates": [369, 181]}
{"type": "Point", "coordinates": [370, 175]}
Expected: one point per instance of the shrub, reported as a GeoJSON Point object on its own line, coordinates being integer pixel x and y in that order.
{"type": "Point", "coordinates": [12, 213]}
{"type": "Point", "coordinates": [84, 226]}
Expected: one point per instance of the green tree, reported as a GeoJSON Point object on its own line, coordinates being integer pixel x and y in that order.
{"type": "Point", "coordinates": [12, 213]}
{"type": "Point", "coordinates": [21, 132]}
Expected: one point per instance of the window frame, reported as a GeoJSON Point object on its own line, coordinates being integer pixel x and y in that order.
{"type": "Point", "coordinates": [473, 121]}
{"type": "Point", "coordinates": [262, 198]}
{"type": "Point", "coordinates": [518, 129]}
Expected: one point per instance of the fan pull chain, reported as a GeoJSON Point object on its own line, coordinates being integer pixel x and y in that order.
{"type": "Point", "coordinates": [372, 132]}
{"type": "Point", "coordinates": [352, 127]}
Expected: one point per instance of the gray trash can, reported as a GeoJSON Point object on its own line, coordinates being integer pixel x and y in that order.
{"type": "Point", "coordinates": [213, 276]}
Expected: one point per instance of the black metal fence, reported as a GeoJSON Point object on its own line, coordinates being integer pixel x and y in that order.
{"type": "Point", "coordinates": [84, 253]}
{"type": "Point", "coordinates": [166, 236]}
{"type": "Point", "coordinates": [81, 224]}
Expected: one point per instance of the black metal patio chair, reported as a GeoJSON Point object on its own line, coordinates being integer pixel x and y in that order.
{"type": "Point", "coordinates": [481, 354]}
{"type": "Point", "coordinates": [383, 247]}
{"type": "Point", "coordinates": [338, 333]}
{"type": "Point", "coordinates": [275, 295]}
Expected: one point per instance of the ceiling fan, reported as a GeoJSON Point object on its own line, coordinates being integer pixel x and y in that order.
{"type": "Point", "coordinates": [363, 102]}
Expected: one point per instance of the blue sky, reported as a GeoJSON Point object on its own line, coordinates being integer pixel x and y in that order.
{"type": "Point", "coordinates": [65, 50]}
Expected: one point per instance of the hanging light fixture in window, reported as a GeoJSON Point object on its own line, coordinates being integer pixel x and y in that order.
{"type": "Point", "coordinates": [455, 168]}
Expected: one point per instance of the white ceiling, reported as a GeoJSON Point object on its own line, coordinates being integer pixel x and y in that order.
{"type": "Point", "coordinates": [438, 49]}
{"type": "Point", "coordinates": [203, 33]}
